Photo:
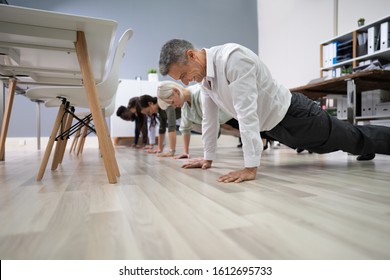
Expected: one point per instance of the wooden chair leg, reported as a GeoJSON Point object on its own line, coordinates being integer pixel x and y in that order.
{"type": "Point", "coordinates": [82, 138]}
{"type": "Point", "coordinates": [54, 163]}
{"type": "Point", "coordinates": [61, 143]}
{"type": "Point", "coordinates": [82, 144]}
{"type": "Point", "coordinates": [7, 116]}
{"type": "Point", "coordinates": [68, 125]}
{"type": "Point", "coordinates": [58, 143]}
{"type": "Point", "coordinates": [90, 88]}
{"type": "Point", "coordinates": [75, 140]}
{"type": "Point", "coordinates": [50, 144]}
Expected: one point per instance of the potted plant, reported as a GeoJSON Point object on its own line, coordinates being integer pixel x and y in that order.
{"type": "Point", "coordinates": [152, 74]}
{"type": "Point", "coordinates": [361, 22]}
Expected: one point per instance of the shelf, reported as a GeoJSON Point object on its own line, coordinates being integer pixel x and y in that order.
{"type": "Point", "coordinates": [365, 80]}
{"type": "Point", "coordinates": [378, 54]}
{"type": "Point", "coordinates": [329, 49]}
{"type": "Point", "coordinates": [341, 38]}
{"type": "Point", "coordinates": [346, 62]}
{"type": "Point", "coordinates": [365, 27]}
{"type": "Point", "coordinates": [381, 54]}
{"type": "Point", "coordinates": [373, 118]}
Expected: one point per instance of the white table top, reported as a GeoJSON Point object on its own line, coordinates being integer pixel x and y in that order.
{"type": "Point", "coordinates": [39, 45]}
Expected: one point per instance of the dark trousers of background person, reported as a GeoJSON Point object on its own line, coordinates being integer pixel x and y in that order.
{"type": "Point", "coordinates": [234, 123]}
{"type": "Point", "coordinates": [140, 127]}
{"type": "Point", "coordinates": [308, 127]}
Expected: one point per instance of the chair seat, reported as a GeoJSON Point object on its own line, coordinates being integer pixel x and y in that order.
{"type": "Point", "coordinates": [75, 95]}
{"type": "Point", "coordinates": [108, 109]}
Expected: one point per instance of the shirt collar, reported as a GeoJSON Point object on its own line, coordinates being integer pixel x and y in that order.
{"type": "Point", "coordinates": [210, 74]}
{"type": "Point", "coordinates": [209, 64]}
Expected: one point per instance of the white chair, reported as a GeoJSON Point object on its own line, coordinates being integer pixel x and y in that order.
{"type": "Point", "coordinates": [81, 129]}
{"type": "Point", "coordinates": [76, 96]}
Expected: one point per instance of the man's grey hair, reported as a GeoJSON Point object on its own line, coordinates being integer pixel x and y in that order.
{"type": "Point", "coordinates": [174, 51]}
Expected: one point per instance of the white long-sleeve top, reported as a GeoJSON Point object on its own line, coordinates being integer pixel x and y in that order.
{"type": "Point", "coordinates": [240, 84]}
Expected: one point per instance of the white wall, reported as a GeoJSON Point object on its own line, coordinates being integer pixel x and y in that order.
{"type": "Point", "coordinates": [290, 32]}
{"type": "Point", "coordinates": [351, 10]}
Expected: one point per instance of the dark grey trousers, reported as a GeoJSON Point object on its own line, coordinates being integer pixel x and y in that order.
{"type": "Point", "coordinates": [308, 127]}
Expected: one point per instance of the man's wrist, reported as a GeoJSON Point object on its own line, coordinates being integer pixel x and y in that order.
{"type": "Point", "coordinates": [252, 169]}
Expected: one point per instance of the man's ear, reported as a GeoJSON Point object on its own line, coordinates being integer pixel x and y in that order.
{"type": "Point", "coordinates": [191, 54]}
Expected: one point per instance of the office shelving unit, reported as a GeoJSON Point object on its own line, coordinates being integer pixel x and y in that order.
{"type": "Point", "coordinates": [341, 55]}
{"type": "Point", "coordinates": [332, 56]}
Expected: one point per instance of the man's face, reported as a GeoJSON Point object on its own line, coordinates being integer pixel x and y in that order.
{"type": "Point", "coordinates": [192, 71]}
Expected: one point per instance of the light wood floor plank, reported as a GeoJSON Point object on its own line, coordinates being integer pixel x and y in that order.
{"type": "Point", "coordinates": [156, 237]}
{"type": "Point", "coordinates": [195, 229]}
{"type": "Point", "coordinates": [178, 185]}
{"type": "Point", "coordinates": [110, 237]}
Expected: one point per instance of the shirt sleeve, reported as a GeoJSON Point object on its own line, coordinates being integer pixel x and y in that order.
{"type": "Point", "coordinates": [185, 123]}
{"type": "Point", "coordinates": [171, 115]}
{"type": "Point", "coordinates": [241, 72]}
{"type": "Point", "coordinates": [210, 126]}
{"type": "Point", "coordinates": [163, 121]}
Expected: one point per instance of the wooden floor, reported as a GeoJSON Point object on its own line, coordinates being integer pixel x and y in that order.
{"type": "Point", "coordinates": [301, 206]}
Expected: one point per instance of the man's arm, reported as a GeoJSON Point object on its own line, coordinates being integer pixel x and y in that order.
{"type": "Point", "coordinates": [241, 73]}
{"type": "Point", "coordinates": [242, 76]}
{"type": "Point", "coordinates": [210, 126]}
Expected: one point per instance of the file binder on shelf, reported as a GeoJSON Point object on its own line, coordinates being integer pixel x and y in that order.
{"type": "Point", "coordinates": [334, 52]}
{"type": "Point", "coordinates": [372, 39]}
{"type": "Point", "coordinates": [361, 44]}
{"type": "Point", "coordinates": [325, 56]}
{"type": "Point", "coordinates": [384, 36]}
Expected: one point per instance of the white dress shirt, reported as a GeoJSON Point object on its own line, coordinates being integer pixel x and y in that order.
{"type": "Point", "coordinates": [240, 84]}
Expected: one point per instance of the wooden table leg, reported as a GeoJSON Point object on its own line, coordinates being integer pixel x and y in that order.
{"type": "Point", "coordinates": [7, 116]}
{"type": "Point", "coordinates": [94, 104]}
{"type": "Point", "coordinates": [112, 150]}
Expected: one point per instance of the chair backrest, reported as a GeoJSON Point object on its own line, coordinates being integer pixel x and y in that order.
{"type": "Point", "coordinates": [109, 110]}
{"type": "Point", "coordinates": [110, 84]}
{"type": "Point", "coordinates": [76, 94]}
